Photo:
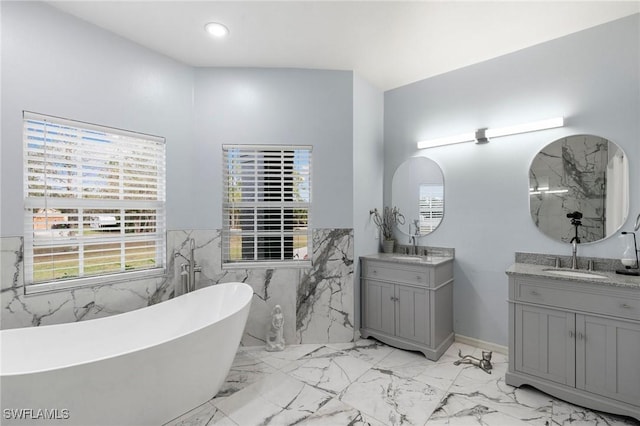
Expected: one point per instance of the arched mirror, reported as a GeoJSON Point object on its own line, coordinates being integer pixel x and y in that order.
{"type": "Point", "coordinates": [579, 183]}
{"type": "Point", "coordinates": [417, 189]}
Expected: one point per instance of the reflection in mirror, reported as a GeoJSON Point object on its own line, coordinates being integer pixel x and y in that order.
{"type": "Point", "coordinates": [417, 189]}
{"type": "Point", "coordinates": [580, 173]}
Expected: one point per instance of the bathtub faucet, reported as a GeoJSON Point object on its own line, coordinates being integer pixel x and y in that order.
{"type": "Point", "coordinates": [188, 270]}
{"type": "Point", "coordinates": [193, 267]}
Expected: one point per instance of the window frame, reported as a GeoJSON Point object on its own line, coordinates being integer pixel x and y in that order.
{"type": "Point", "coordinates": [87, 140]}
{"type": "Point", "coordinates": [227, 206]}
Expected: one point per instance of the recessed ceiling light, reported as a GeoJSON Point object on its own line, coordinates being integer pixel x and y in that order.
{"type": "Point", "coordinates": [216, 29]}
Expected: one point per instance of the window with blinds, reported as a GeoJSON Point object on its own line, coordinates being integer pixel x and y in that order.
{"type": "Point", "coordinates": [94, 200]}
{"type": "Point", "coordinates": [431, 207]}
{"type": "Point", "coordinates": [266, 205]}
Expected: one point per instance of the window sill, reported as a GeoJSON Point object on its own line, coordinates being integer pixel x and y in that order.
{"type": "Point", "coordinates": [297, 264]}
{"type": "Point", "coordinates": [74, 284]}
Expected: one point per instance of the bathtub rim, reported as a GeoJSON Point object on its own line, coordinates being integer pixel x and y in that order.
{"type": "Point", "coordinates": [246, 289]}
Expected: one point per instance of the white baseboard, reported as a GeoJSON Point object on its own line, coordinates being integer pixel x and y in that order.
{"type": "Point", "coordinates": [482, 344]}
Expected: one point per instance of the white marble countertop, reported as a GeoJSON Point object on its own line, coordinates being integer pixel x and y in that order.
{"type": "Point", "coordinates": [543, 271]}
{"type": "Point", "coordinates": [407, 259]}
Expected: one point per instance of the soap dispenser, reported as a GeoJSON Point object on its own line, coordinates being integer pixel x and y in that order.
{"type": "Point", "coordinates": [629, 256]}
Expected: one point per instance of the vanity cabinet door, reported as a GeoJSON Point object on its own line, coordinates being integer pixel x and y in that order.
{"type": "Point", "coordinates": [379, 306]}
{"type": "Point", "coordinates": [545, 343]}
{"type": "Point", "coordinates": [412, 315]}
{"type": "Point", "coordinates": [607, 357]}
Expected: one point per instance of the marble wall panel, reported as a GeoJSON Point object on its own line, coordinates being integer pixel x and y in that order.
{"type": "Point", "coordinates": [317, 303]}
{"type": "Point", "coordinates": [325, 300]}
{"type": "Point", "coordinates": [270, 286]}
{"type": "Point", "coordinates": [20, 310]}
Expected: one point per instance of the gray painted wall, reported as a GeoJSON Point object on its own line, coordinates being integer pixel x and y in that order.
{"type": "Point", "coordinates": [368, 163]}
{"type": "Point", "coordinates": [276, 106]}
{"type": "Point", "coordinates": [56, 64]}
{"type": "Point", "coordinates": [591, 78]}
{"type": "Point", "coordinates": [75, 70]}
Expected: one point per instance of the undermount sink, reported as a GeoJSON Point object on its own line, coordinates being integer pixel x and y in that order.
{"type": "Point", "coordinates": [414, 258]}
{"type": "Point", "coordinates": [575, 274]}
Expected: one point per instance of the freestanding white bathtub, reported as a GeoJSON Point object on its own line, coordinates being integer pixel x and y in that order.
{"type": "Point", "coordinates": [143, 367]}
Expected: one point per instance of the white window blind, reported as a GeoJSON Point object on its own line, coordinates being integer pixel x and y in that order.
{"type": "Point", "coordinates": [431, 207]}
{"type": "Point", "coordinates": [266, 204]}
{"type": "Point", "coordinates": [94, 200]}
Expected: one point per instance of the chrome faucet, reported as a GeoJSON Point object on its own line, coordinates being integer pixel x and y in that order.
{"type": "Point", "coordinates": [192, 265]}
{"type": "Point", "coordinates": [412, 242]}
{"type": "Point", "coordinates": [574, 252]}
{"type": "Point", "coordinates": [575, 222]}
{"type": "Point", "coordinates": [413, 238]}
{"type": "Point", "coordinates": [188, 270]}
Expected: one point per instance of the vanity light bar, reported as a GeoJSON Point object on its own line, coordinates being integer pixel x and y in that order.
{"type": "Point", "coordinates": [451, 140]}
{"type": "Point", "coordinates": [526, 127]}
{"type": "Point", "coordinates": [493, 133]}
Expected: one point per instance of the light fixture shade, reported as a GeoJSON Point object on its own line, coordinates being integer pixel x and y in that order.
{"type": "Point", "coordinates": [465, 137]}
{"type": "Point", "coordinates": [526, 127]}
{"type": "Point", "coordinates": [483, 135]}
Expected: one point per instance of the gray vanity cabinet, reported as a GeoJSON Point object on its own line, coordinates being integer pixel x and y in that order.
{"type": "Point", "coordinates": [413, 321]}
{"type": "Point", "coordinates": [579, 341]}
{"type": "Point", "coordinates": [379, 306]}
{"type": "Point", "coordinates": [397, 310]}
{"type": "Point", "coordinates": [544, 343]}
{"type": "Point", "coordinates": [408, 305]}
{"type": "Point", "coordinates": [608, 357]}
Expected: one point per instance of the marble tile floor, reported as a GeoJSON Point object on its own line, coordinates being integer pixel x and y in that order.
{"type": "Point", "coordinates": [370, 383]}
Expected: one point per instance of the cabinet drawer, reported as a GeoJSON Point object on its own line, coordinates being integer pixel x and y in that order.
{"type": "Point", "coordinates": [578, 297]}
{"type": "Point", "coordinates": [380, 271]}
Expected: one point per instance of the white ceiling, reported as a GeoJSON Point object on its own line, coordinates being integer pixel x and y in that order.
{"type": "Point", "coordinates": [388, 43]}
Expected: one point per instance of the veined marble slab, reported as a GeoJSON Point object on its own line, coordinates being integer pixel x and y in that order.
{"type": "Point", "coordinates": [325, 295]}
{"type": "Point", "coordinates": [69, 305]}
{"type": "Point", "coordinates": [317, 303]}
{"type": "Point", "coordinates": [384, 394]}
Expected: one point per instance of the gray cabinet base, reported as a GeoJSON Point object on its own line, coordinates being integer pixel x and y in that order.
{"type": "Point", "coordinates": [573, 395]}
{"type": "Point", "coordinates": [397, 342]}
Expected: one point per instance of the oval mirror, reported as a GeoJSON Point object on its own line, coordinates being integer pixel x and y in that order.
{"type": "Point", "coordinates": [417, 189]}
{"type": "Point", "coordinates": [579, 186]}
